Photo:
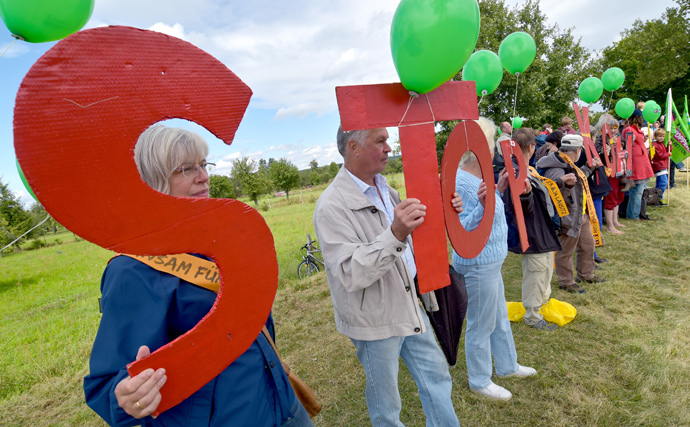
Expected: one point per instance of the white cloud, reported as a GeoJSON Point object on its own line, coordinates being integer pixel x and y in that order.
{"type": "Point", "coordinates": [176, 30]}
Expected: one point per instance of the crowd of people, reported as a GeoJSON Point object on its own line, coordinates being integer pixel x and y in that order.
{"type": "Point", "coordinates": [364, 229]}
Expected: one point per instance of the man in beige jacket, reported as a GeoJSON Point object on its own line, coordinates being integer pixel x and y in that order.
{"type": "Point", "coordinates": [364, 233]}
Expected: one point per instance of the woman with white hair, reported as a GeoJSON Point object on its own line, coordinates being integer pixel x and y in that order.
{"type": "Point", "coordinates": [488, 328]}
{"type": "Point", "coordinates": [145, 309]}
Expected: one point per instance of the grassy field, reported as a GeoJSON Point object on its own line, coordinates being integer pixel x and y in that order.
{"type": "Point", "coordinates": [624, 361]}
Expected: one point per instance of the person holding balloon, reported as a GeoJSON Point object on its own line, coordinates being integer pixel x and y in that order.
{"type": "Point", "coordinates": [144, 309]}
{"type": "Point", "coordinates": [641, 166]}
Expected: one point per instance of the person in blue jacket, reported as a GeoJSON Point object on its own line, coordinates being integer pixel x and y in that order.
{"type": "Point", "coordinates": [144, 309]}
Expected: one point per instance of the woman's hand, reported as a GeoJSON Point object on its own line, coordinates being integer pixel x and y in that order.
{"type": "Point", "coordinates": [457, 202]}
{"type": "Point", "coordinates": [528, 186]}
{"type": "Point", "coordinates": [140, 396]}
{"type": "Point", "coordinates": [481, 193]}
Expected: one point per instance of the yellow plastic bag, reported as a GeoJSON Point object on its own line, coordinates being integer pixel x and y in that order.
{"type": "Point", "coordinates": [516, 311]}
{"type": "Point", "coordinates": [555, 311]}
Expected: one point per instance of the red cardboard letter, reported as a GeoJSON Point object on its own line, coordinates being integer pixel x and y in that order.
{"type": "Point", "coordinates": [467, 136]}
{"type": "Point", "coordinates": [517, 185]}
{"type": "Point", "coordinates": [78, 115]}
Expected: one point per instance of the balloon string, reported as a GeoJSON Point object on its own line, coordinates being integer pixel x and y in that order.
{"type": "Point", "coordinates": [409, 104]}
{"type": "Point", "coordinates": [517, 80]}
{"type": "Point", "coordinates": [480, 100]}
{"type": "Point", "coordinates": [608, 105]}
{"type": "Point", "coordinates": [8, 47]}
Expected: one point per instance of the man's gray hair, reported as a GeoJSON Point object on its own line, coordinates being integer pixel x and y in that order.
{"type": "Point", "coordinates": [343, 138]}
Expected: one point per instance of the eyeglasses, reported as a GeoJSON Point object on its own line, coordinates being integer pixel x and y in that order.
{"type": "Point", "coordinates": [193, 170]}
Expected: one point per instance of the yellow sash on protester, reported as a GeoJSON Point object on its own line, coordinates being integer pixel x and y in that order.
{"type": "Point", "coordinates": [593, 220]}
{"type": "Point", "coordinates": [554, 192]}
{"type": "Point", "coordinates": [194, 270]}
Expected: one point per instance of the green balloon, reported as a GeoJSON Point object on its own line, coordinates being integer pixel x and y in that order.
{"type": "Point", "coordinates": [651, 111]}
{"type": "Point", "coordinates": [613, 78]}
{"type": "Point", "coordinates": [590, 89]}
{"type": "Point", "coordinates": [517, 51]}
{"type": "Point", "coordinates": [26, 184]}
{"type": "Point", "coordinates": [484, 67]}
{"type": "Point", "coordinates": [625, 107]}
{"type": "Point", "coordinates": [39, 21]}
{"type": "Point", "coordinates": [432, 39]}
{"type": "Point", "coordinates": [517, 123]}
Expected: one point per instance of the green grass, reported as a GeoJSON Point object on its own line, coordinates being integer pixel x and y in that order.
{"type": "Point", "coordinates": [623, 361]}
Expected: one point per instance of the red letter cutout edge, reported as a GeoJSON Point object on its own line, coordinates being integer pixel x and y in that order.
{"type": "Point", "coordinates": [78, 114]}
{"type": "Point", "coordinates": [385, 105]}
{"type": "Point", "coordinates": [608, 140]}
{"type": "Point", "coordinates": [517, 185]}
{"type": "Point", "coordinates": [467, 136]}
{"type": "Point", "coordinates": [583, 124]}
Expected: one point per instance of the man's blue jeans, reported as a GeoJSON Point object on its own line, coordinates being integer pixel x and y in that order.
{"type": "Point", "coordinates": [488, 328]}
{"type": "Point", "coordinates": [635, 200]}
{"type": "Point", "coordinates": [427, 365]}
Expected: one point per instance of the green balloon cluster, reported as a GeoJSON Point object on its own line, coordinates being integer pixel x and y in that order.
{"type": "Point", "coordinates": [517, 123]}
{"type": "Point", "coordinates": [517, 51]}
{"type": "Point", "coordinates": [625, 107]}
{"type": "Point", "coordinates": [485, 69]}
{"type": "Point", "coordinates": [613, 78]}
{"type": "Point", "coordinates": [590, 89]}
{"type": "Point", "coordinates": [432, 39]}
{"type": "Point", "coordinates": [23, 178]}
{"type": "Point", "coordinates": [39, 21]}
{"type": "Point", "coordinates": [651, 111]}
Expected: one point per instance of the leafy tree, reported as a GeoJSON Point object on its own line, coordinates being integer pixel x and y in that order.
{"type": "Point", "coordinates": [38, 213]}
{"type": "Point", "coordinates": [654, 56]}
{"type": "Point", "coordinates": [314, 165]}
{"type": "Point", "coordinates": [394, 165]}
{"type": "Point", "coordinates": [15, 221]}
{"type": "Point", "coordinates": [548, 87]}
{"type": "Point", "coordinates": [252, 182]}
{"type": "Point", "coordinates": [333, 169]}
{"type": "Point", "coordinates": [314, 177]}
{"type": "Point", "coordinates": [220, 187]}
{"type": "Point", "coordinates": [285, 175]}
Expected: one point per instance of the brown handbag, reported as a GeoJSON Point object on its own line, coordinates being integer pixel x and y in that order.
{"type": "Point", "coordinates": [302, 390]}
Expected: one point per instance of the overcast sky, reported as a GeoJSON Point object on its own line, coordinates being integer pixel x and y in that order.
{"type": "Point", "coordinates": [292, 55]}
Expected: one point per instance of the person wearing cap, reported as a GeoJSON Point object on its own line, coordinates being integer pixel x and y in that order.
{"type": "Point", "coordinates": [641, 165]}
{"type": "Point", "coordinates": [576, 230]}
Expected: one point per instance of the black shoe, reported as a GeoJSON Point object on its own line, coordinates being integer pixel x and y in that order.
{"type": "Point", "coordinates": [599, 260]}
{"type": "Point", "coordinates": [573, 289]}
{"type": "Point", "coordinates": [594, 279]}
{"type": "Point", "coordinates": [645, 217]}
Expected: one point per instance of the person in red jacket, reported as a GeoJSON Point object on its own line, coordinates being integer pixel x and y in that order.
{"type": "Point", "coordinates": [660, 161]}
{"type": "Point", "coordinates": [641, 166]}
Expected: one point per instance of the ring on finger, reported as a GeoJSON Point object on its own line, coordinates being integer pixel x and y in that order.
{"type": "Point", "coordinates": [140, 407]}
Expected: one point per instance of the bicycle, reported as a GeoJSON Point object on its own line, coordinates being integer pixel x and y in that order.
{"type": "Point", "coordinates": [310, 262]}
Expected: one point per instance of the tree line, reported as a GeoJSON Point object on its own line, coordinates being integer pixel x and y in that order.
{"type": "Point", "coordinates": [15, 220]}
{"type": "Point", "coordinates": [654, 55]}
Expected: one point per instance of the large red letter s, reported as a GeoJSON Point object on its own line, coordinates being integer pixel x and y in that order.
{"type": "Point", "coordinates": [78, 115]}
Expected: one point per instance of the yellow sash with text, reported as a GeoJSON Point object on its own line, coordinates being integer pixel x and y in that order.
{"type": "Point", "coordinates": [194, 270]}
{"type": "Point", "coordinates": [554, 192]}
{"type": "Point", "coordinates": [593, 220]}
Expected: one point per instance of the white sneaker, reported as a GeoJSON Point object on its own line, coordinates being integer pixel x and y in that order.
{"type": "Point", "coordinates": [494, 391]}
{"type": "Point", "coordinates": [522, 372]}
